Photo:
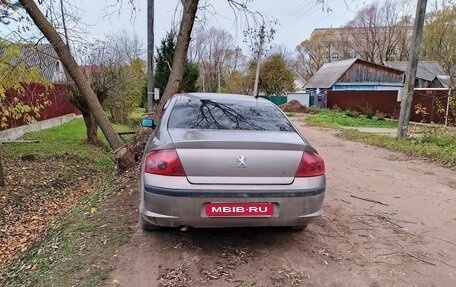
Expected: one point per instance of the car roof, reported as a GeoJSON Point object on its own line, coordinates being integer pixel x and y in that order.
{"type": "Point", "coordinates": [220, 96]}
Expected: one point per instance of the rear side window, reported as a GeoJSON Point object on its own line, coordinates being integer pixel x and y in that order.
{"type": "Point", "coordinates": [227, 115]}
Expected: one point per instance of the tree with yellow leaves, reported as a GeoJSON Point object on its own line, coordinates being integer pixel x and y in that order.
{"type": "Point", "coordinates": [14, 75]}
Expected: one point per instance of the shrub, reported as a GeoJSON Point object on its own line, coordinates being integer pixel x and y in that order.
{"type": "Point", "coordinates": [379, 115]}
{"type": "Point", "coordinates": [352, 114]}
{"type": "Point", "coordinates": [368, 111]}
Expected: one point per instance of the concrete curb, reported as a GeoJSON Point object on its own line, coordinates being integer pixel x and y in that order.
{"type": "Point", "coordinates": [15, 133]}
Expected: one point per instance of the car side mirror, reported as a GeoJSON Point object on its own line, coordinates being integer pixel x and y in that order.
{"type": "Point", "coordinates": [148, 123]}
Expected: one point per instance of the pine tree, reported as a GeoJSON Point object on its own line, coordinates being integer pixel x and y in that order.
{"type": "Point", "coordinates": [164, 62]}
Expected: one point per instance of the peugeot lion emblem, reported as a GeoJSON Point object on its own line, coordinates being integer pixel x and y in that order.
{"type": "Point", "coordinates": [240, 161]}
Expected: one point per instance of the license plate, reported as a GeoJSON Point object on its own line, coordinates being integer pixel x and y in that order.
{"type": "Point", "coordinates": [221, 209]}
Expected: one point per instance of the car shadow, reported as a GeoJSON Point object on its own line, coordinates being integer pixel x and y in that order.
{"type": "Point", "coordinates": [215, 239]}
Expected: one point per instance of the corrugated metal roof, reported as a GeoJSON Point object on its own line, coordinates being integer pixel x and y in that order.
{"type": "Point", "coordinates": [445, 81]}
{"type": "Point", "coordinates": [329, 73]}
{"type": "Point", "coordinates": [427, 70]}
{"type": "Point", "coordinates": [41, 56]}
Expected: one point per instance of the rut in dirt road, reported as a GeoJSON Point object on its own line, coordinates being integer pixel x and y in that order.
{"type": "Point", "coordinates": [390, 220]}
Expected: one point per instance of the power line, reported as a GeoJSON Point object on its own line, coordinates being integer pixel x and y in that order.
{"type": "Point", "coordinates": [302, 15]}
{"type": "Point", "coordinates": [296, 10]}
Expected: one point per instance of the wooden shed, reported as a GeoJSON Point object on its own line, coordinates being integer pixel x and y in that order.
{"type": "Point", "coordinates": [355, 74]}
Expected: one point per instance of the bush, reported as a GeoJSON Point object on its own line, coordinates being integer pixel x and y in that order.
{"type": "Point", "coordinates": [380, 116]}
{"type": "Point", "coordinates": [314, 110]}
{"type": "Point", "coordinates": [368, 111]}
{"type": "Point", "coordinates": [352, 114]}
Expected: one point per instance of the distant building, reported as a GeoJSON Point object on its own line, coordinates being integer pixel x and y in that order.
{"type": "Point", "coordinates": [299, 81]}
{"type": "Point", "coordinates": [44, 58]}
{"type": "Point", "coordinates": [355, 84]}
{"type": "Point", "coordinates": [429, 74]}
{"type": "Point", "coordinates": [377, 44]}
{"type": "Point", "coordinates": [355, 74]}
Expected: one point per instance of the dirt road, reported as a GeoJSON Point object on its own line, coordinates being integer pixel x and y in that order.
{"type": "Point", "coordinates": [406, 238]}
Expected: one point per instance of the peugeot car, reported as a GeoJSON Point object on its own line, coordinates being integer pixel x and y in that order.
{"type": "Point", "coordinates": [224, 160]}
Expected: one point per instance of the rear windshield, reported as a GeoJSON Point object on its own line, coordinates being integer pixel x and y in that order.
{"type": "Point", "coordinates": [227, 115]}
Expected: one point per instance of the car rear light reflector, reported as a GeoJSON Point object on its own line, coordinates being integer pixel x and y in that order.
{"type": "Point", "coordinates": [163, 162]}
{"type": "Point", "coordinates": [311, 164]}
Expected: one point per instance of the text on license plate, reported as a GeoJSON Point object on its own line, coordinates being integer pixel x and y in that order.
{"type": "Point", "coordinates": [239, 209]}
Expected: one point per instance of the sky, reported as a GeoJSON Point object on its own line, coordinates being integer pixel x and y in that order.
{"type": "Point", "coordinates": [296, 18]}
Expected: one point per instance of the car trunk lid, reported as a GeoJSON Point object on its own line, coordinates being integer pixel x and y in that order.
{"type": "Point", "coordinates": [238, 157]}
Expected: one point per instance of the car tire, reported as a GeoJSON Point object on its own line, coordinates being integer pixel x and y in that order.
{"type": "Point", "coordinates": [146, 226]}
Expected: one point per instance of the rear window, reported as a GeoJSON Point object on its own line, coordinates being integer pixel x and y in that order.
{"type": "Point", "coordinates": [227, 115]}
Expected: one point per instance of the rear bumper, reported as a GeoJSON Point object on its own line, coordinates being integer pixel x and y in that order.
{"type": "Point", "coordinates": [171, 207]}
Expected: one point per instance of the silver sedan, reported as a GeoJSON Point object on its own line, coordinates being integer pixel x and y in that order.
{"type": "Point", "coordinates": [223, 160]}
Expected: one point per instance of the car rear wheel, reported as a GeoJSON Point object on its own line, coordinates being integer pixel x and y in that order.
{"type": "Point", "coordinates": [146, 226]}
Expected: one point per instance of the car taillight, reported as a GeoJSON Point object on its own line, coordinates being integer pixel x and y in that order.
{"type": "Point", "coordinates": [163, 162]}
{"type": "Point", "coordinates": [311, 165]}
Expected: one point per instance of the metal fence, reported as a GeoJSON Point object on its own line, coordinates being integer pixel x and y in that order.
{"type": "Point", "coordinates": [278, 100]}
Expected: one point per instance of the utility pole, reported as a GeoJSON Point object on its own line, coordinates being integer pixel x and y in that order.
{"type": "Point", "coordinates": [237, 51]}
{"type": "Point", "coordinates": [150, 57]}
{"type": "Point", "coordinates": [260, 51]}
{"type": "Point", "coordinates": [219, 70]}
{"type": "Point", "coordinates": [406, 103]}
{"type": "Point", "coordinates": [329, 53]}
{"type": "Point", "coordinates": [448, 105]}
{"type": "Point", "coordinates": [62, 10]}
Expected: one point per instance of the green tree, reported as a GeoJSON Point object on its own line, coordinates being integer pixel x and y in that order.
{"type": "Point", "coordinates": [237, 83]}
{"type": "Point", "coordinates": [439, 42]}
{"type": "Point", "coordinates": [164, 62]}
{"type": "Point", "coordinates": [276, 77]}
{"type": "Point", "coordinates": [191, 75]}
{"type": "Point", "coordinates": [13, 75]}
{"type": "Point", "coordinates": [127, 96]}
{"type": "Point", "coordinates": [439, 38]}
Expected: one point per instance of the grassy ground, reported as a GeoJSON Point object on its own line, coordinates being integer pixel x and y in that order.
{"type": "Point", "coordinates": [439, 147]}
{"type": "Point", "coordinates": [137, 115]}
{"type": "Point", "coordinates": [78, 248]}
{"type": "Point", "coordinates": [332, 118]}
{"type": "Point", "coordinates": [57, 221]}
{"type": "Point", "coordinates": [430, 142]}
{"type": "Point", "coordinates": [67, 138]}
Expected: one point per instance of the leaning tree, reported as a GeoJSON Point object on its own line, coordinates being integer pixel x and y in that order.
{"type": "Point", "coordinates": [124, 157]}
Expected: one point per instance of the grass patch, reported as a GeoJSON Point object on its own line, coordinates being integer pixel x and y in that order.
{"type": "Point", "coordinates": [65, 204]}
{"type": "Point", "coordinates": [137, 115]}
{"type": "Point", "coordinates": [78, 247]}
{"type": "Point", "coordinates": [437, 146]}
{"type": "Point", "coordinates": [335, 117]}
{"type": "Point", "coordinates": [69, 138]}
{"type": "Point", "coordinates": [66, 138]}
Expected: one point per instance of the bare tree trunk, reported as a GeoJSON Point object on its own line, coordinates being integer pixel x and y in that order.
{"type": "Point", "coordinates": [91, 128]}
{"type": "Point", "coordinates": [2, 176]}
{"type": "Point", "coordinates": [180, 54]}
{"type": "Point", "coordinates": [78, 77]}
